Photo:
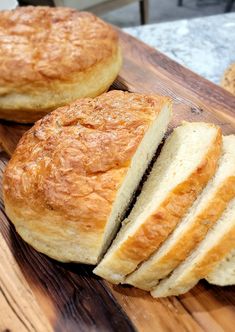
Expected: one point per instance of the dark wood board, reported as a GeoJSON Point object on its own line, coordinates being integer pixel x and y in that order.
{"type": "Point", "coordinates": [39, 294]}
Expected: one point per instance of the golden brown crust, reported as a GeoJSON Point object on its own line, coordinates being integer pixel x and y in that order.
{"type": "Point", "coordinates": [42, 44]}
{"type": "Point", "coordinates": [64, 175]}
{"type": "Point", "coordinates": [211, 259]}
{"type": "Point", "coordinates": [228, 80]}
{"type": "Point", "coordinates": [27, 108]}
{"type": "Point", "coordinates": [52, 56]}
{"type": "Point", "coordinates": [180, 250]}
{"type": "Point", "coordinates": [149, 236]}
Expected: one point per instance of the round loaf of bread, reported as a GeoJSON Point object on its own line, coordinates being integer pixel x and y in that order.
{"type": "Point", "coordinates": [74, 172]}
{"type": "Point", "coordinates": [52, 56]}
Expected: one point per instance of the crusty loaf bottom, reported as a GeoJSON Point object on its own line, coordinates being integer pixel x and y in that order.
{"type": "Point", "coordinates": [216, 245]}
{"type": "Point", "coordinates": [204, 213]}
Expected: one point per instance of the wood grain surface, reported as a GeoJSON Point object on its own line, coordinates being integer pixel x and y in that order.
{"type": "Point", "coordinates": [39, 294]}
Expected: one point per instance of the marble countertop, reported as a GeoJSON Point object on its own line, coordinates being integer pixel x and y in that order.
{"type": "Point", "coordinates": [205, 45]}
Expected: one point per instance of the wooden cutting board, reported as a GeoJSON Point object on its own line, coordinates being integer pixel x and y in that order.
{"type": "Point", "coordinates": [39, 294]}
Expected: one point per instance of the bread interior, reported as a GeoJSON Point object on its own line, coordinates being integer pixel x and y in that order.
{"type": "Point", "coordinates": [182, 279]}
{"type": "Point", "coordinates": [225, 169]}
{"type": "Point", "coordinates": [182, 153]}
{"type": "Point", "coordinates": [224, 273]}
{"type": "Point", "coordinates": [139, 164]}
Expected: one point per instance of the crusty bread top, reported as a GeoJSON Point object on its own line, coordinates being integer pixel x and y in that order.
{"type": "Point", "coordinates": [43, 44]}
{"type": "Point", "coordinates": [73, 161]}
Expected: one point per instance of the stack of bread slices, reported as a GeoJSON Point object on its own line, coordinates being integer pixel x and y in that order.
{"type": "Point", "coordinates": [182, 226]}
{"type": "Point", "coordinates": [73, 176]}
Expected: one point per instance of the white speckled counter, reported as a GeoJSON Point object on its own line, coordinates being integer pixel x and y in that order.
{"type": "Point", "coordinates": [205, 45]}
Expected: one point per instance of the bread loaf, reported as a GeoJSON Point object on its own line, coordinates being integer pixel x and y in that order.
{"type": "Point", "coordinates": [49, 57]}
{"type": "Point", "coordinates": [75, 171]}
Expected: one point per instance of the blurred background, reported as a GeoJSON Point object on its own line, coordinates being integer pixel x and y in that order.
{"type": "Point", "coordinates": [127, 13]}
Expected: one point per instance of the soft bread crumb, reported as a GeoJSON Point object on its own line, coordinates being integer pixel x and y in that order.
{"type": "Point", "coordinates": [217, 244]}
{"type": "Point", "coordinates": [185, 165]}
{"type": "Point", "coordinates": [205, 211]}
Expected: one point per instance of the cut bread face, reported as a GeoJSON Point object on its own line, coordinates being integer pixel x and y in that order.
{"type": "Point", "coordinates": [74, 173]}
{"type": "Point", "coordinates": [224, 272]}
{"type": "Point", "coordinates": [205, 211]}
{"type": "Point", "coordinates": [185, 165]}
{"type": "Point", "coordinates": [138, 166]}
{"type": "Point", "coordinates": [220, 240]}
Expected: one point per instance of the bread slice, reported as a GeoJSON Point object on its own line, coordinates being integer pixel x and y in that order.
{"type": "Point", "coordinates": [224, 272]}
{"type": "Point", "coordinates": [74, 173]}
{"type": "Point", "coordinates": [219, 241]}
{"type": "Point", "coordinates": [205, 211]}
{"type": "Point", "coordinates": [185, 165]}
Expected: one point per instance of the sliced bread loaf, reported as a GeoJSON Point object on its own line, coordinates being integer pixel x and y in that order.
{"type": "Point", "coordinates": [205, 211]}
{"type": "Point", "coordinates": [224, 272]}
{"type": "Point", "coordinates": [220, 240]}
{"type": "Point", "coordinates": [73, 174]}
{"type": "Point", "coordinates": [186, 163]}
